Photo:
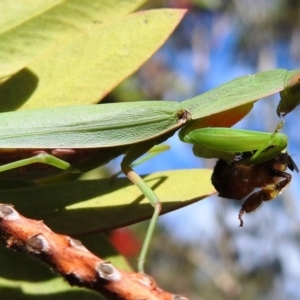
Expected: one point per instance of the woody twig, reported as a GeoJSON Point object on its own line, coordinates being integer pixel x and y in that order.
{"type": "Point", "coordinates": [74, 262]}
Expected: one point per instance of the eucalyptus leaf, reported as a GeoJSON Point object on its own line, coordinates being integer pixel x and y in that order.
{"type": "Point", "coordinates": [86, 206]}
{"type": "Point", "coordinates": [29, 28]}
{"type": "Point", "coordinates": [86, 68]}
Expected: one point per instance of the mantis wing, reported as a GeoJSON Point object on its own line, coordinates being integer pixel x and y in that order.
{"type": "Point", "coordinates": [89, 126]}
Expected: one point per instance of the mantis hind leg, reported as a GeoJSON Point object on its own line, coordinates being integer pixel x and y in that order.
{"type": "Point", "coordinates": [132, 155]}
{"type": "Point", "coordinates": [43, 158]}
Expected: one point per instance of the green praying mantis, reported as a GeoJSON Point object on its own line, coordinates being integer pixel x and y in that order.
{"type": "Point", "coordinates": [64, 137]}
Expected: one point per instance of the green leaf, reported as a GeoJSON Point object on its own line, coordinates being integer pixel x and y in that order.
{"type": "Point", "coordinates": [85, 68]}
{"type": "Point", "coordinates": [96, 205]}
{"type": "Point", "coordinates": [30, 28]}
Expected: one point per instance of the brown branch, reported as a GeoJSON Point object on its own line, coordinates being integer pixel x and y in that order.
{"type": "Point", "coordinates": [74, 262]}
